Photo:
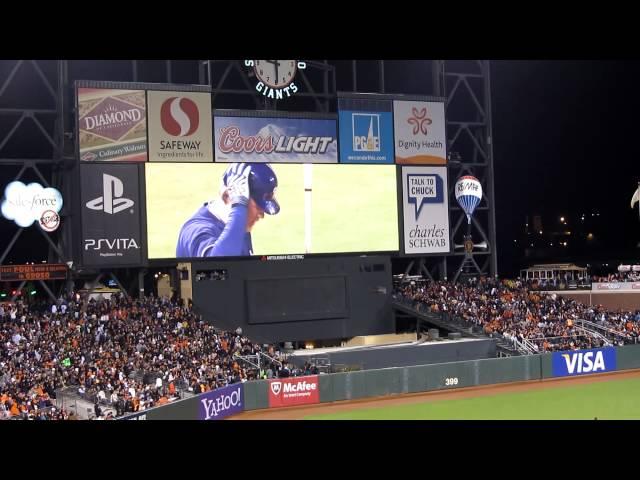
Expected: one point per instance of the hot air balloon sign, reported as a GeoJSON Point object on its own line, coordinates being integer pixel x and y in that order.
{"type": "Point", "coordinates": [468, 194]}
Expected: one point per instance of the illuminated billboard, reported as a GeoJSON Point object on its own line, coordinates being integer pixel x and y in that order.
{"type": "Point", "coordinates": [216, 210]}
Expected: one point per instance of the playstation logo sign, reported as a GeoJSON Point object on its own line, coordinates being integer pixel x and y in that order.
{"type": "Point", "coordinates": [111, 201]}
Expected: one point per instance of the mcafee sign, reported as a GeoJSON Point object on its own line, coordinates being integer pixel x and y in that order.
{"type": "Point", "coordinates": [286, 392]}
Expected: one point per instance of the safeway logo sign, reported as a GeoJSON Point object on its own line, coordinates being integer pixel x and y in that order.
{"type": "Point", "coordinates": [179, 116]}
{"type": "Point", "coordinates": [294, 391]}
{"type": "Point", "coordinates": [112, 200]}
{"type": "Point", "coordinates": [583, 362]}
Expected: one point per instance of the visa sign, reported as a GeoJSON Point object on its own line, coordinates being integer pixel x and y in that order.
{"type": "Point", "coordinates": [581, 362]}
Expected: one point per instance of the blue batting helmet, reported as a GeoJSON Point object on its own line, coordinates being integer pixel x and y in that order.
{"type": "Point", "coordinates": [262, 185]}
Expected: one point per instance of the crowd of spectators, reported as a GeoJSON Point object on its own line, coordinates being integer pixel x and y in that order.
{"type": "Point", "coordinates": [128, 354]}
{"type": "Point", "coordinates": [133, 354]}
{"type": "Point", "coordinates": [618, 277]}
{"type": "Point", "coordinates": [511, 309]}
{"type": "Point", "coordinates": [557, 283]}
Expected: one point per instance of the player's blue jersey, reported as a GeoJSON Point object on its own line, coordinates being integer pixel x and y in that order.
{"type": "Point", "coordinates": [205, 235]}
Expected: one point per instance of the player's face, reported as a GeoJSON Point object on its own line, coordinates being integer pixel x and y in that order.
{"type": "Point", "coordinates": [254, 214]}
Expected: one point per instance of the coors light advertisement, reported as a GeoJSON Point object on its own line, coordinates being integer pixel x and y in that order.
{"type": "Point", "coordinates": [112, 125]}
{"type": "Point", "coordinates": [275, 140]}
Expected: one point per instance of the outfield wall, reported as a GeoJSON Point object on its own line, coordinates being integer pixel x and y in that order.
{"type": "Point", "coordinates": [314, 389]}
{"type": "Point", "coordinates": [405, 355]}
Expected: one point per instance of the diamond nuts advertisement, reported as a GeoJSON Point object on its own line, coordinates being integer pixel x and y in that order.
{"type": "Point", "coordinates": [419, 129]}
{"type": "Point", "coordinates": [180, 127]}
{"type": "Point", "coordinates": [276, 140]}
{"type": "Point", "coordinates": [425, 210]}
{"type": "Point", "coordinates": [286, 392]}
{"type": "Point", "coordinates": [112, 125]}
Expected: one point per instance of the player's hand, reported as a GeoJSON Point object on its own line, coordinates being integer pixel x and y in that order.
{"type": "Point", "coordinates": [238, 183]}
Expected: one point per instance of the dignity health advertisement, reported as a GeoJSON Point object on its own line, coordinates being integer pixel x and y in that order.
{"type": "Point", "coordinates": [419, 129]}
{"type": "Point", "coordinates": [275, 140]}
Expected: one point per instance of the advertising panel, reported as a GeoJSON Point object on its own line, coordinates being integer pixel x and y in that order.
{"type": "Point", "coordinates": [286, 392]}
{"type": "Point", "coordinates": [581, 362]}
{"type": "Point", "coordinates": [366, 130]}
{"type": "Point", "coordinates": [180, 127]}
{"type": "Point", "coordinates": [221, 402]}
{"type": "Point", "coordinates": [112, 125]}
{"type": "Point", "coordinates": [419, 130]}
{"type": "Point", "coordinates": [110, 215]}
{"type": "Point", "coordinates": [26, 204]}
{"type": "Point", "coordinates": [425, 207]}
{"type": "Point", "coordinates": [276, 140]}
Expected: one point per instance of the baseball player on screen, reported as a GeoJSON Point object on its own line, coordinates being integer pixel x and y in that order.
{"type": "Point", "coordinates": [222, 227]}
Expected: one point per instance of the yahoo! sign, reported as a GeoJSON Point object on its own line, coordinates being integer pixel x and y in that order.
{"type": "Point", "coordinates": [222, 402]}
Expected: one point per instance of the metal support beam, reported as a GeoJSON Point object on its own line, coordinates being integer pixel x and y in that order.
{"type": "Point", "coordinates": [436, 73]}
{"type": "Point", "coordinates": [124, 290]}
{"type": "Point", "coordinates": [49, 292]}
{"type": "Point", "coordinates": [141, 283]}
{"type": "Point", "coordinates": [469, 134]}
{"type": "Point", "coordinates": [443, 271]}
{"type": "Point", "coordinates": [53, 246]}
{"type": "Point", "coordinates": [168, 69]}
{"type": "Point", "coordinates": [354, 73]}
{"type": "Point", "coordinates": [490, 177]}
{"type": "Point", "coordinates": [10, 246]}
{"type": "Point", "coordinates": [424, 270]}
{"type": "Point", "coordinates": [326, 87]}
{"type": "Point", "coordinates": [95, 283]}
{"type": "Point", "coordinates": [201, 72]}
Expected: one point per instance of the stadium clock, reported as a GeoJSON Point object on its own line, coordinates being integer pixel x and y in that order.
{"type": "Point", "coordinates": [275, 77]}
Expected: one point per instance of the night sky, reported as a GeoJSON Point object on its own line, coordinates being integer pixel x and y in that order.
{"type": "Point", "coordinates": [564, 144]}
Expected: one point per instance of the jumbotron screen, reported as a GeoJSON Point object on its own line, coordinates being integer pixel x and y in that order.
{"type": "Point", "coordinates": [197, 210]}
